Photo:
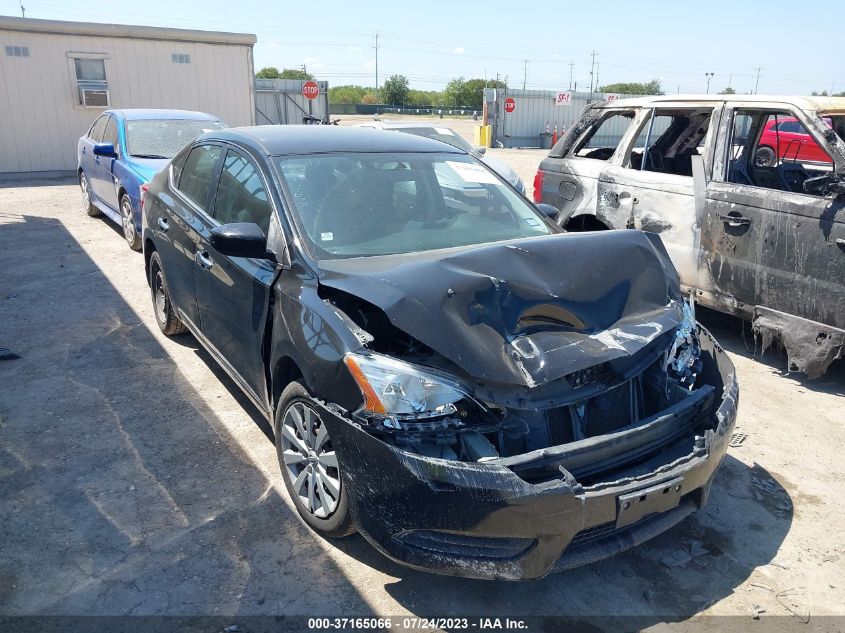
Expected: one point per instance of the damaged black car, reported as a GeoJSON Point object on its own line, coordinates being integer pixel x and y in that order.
{"type": "Point", "coordinates": [447, 373]}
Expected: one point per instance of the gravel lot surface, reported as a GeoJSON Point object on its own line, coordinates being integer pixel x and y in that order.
{"type": "Point", "coordinates": [136, 479]}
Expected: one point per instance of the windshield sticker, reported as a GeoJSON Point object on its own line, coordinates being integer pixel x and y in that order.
{"type": "Point", "coordinates": [327, 236]}
{"type": "Point", "coordinates": [472, 173]}
{"type": "Point", "coordinates": [444, 130]}
{"type": "Point", "coordinates": [532, 221]}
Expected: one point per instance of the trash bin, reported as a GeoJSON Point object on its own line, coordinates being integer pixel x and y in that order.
{"type": "Point", "coordinates": [545, 140]}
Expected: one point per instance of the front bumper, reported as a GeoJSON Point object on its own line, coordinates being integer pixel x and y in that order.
{"type": "Point", "coordinates": [484, 521]}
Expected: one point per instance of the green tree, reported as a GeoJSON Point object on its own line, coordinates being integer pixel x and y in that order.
{"type": "Point", "coordinates": [395, 90]}
{"type": "Point", "coordinates": [461, 93]}
{"type": "Point", "coordinates": [296, 73]}
{"type": "Point", "coordinates": [270, 72]}
{"type": "Point", "coordinates": [652, 87]}
{"type": "Point", "coordinates": [370, 98]}
{"type": "Point", "coordinates": [347, 94]}
{"type": "Point", "coordinates": [727, 91]}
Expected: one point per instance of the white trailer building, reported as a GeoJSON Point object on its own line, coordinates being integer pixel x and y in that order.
{"type": "Point", "coordinates": [56, 77]}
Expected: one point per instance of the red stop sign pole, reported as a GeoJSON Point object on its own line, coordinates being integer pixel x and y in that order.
{"type": "Point", "coordinates": [310, 90]}
{"type": "Point", "coordinates": [510, 105]}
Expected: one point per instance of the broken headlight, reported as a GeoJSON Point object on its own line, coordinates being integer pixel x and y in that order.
{"type": "Point", "coordinates": [398, 389]}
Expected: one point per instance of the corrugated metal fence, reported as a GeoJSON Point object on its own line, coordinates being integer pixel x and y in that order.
{"type": "Point", "coordinates": [535, 112]}
{"type": "Point", "coordinates": [281, 102]}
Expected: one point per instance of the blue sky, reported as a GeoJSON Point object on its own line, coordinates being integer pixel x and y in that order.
{"type": "Point", "coordinates": [799, 47]}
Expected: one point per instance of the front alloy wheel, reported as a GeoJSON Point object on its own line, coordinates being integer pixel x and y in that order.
{"type": "Point", "coordinates": [309, 464]}
{"type": "Point", "coordinates": [129, 230]}
{"type": "Point", "coordinates": [89, 207]}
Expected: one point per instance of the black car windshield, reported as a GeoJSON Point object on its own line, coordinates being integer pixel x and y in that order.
{"type": "Point", "coordinates": [360, 204]}
{"type": "Point", "coordinates": [163, 138]}
{"type": "Point", "coordinates": [443, 134]}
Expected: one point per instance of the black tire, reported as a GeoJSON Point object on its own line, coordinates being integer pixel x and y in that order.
{"type": "Point", "coordinates": [130, 233]}
{"type": "Point", "coordinates": [168, 322]}
{"type": "Point", "coordinates": [339, 522]}
{"type": "Point", "coordinates": [87, 205]}
{"type": "Point", "coordinates": [765, 156]}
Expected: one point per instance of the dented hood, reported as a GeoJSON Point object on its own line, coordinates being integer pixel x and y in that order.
{"type": "Point", "coordinates": [524, 312]}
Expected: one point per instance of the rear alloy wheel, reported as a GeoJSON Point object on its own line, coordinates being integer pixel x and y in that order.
{"type": "Point", "coordinates": [309, 464]}
{"type": "Point", "coordinates": [765, 156]}
{"type": "Point", "coordinates": [129, 230]}
{"type": "Point", "coordinates": [87, 205]}
{"type": "Point", "coordinates": [168, 322]}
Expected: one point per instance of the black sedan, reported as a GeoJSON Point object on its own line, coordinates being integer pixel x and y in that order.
{"type": "Point", "coordinates": [446, 372]}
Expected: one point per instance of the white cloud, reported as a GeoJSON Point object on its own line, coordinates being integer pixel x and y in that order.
{"type": "Point", "coordinates": [459, 50]}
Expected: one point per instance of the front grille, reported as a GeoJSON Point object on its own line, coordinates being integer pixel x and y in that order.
{"type": "Point", "coordinates": [592, 533]}
{"type": "Point", "coordinates": [465, 546]}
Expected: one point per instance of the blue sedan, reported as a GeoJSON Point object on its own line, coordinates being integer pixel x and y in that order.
{"type": "Point", "coordinates": [123, 150]}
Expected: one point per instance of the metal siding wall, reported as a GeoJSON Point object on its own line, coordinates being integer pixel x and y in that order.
{"type": "Point", "coordinates": [40, 120]}
{"type": "Point", "coordinates": [281, 102]}
{"type": "Point", "coordinates": [535, 109]}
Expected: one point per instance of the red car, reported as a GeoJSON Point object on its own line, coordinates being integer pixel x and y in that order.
{"type": "Point", "coordinates": [794, 143]}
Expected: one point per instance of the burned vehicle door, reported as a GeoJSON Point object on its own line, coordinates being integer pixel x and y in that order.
{"type": "Point", "coordinates": [233, 292]}
{"type": "Point", "coordinates": [651, 187]}
{"type": "Point", "coordinates": [571, 184]}
{"type": "Point", "coordinates": [773, 236]}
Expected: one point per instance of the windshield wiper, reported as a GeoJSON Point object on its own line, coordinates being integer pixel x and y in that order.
{"type": "Point", "coordinates": [149, 156]}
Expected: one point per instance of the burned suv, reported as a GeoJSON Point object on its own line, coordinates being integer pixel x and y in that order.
{"type": "Point", "coordinates": [475, 393]}
{"type": "Point", "coordinates": [746, 192]}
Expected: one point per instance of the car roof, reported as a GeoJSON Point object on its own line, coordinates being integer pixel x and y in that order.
{"type": "Point", "coordinates": [276, 140]}
{"type": "Point", "coordinates": [395, 125]}
{"type": "Point", "coordinates": [810, 104]}
{"type": "Point", "coordinates": [139, 114]}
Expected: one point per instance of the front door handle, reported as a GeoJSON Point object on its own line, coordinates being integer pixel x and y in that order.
{"type": "Point", "coordinates": [163, 225]}
{"type": "Point", "coordinates": [735, 220]}
{"type": "Point", "coordinates": [204, 260]}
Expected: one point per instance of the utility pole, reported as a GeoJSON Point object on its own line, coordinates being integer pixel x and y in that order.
{"type": "Point", "coordinates": [757, 81]}
{"type": "Point", "coordinates": [23, 11]}
{"type": "Point", "coordinates": [597, 76]}
{"type": "Point", "coordinates": [592, 70]}
{"type": "Point", "coordinates": [571, 66]}
{"type": "Point", "coordinates": [376, 48]}
{"type": "Point", "coordinates": [304, 70]}
{"type": "Point", "coordinates": [709, 77]}
{"type": "Point", "coordinates": [524, 73]}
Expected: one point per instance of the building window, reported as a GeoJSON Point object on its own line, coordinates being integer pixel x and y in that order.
{"type": "Point", "coordinates": [180, 58]}
{"type": "Point", "coordinates": [91, 82]}
{"type": "Point", "coordinates": [17, 51]}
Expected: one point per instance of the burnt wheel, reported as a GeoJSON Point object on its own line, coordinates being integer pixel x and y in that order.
{"type": "Point", "coordinates": [309, 464]}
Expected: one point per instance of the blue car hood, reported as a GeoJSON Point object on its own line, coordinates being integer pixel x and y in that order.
{"type": "Point", "coordinates": [146, 168]}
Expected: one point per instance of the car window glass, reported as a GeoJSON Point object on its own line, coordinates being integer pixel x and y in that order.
{"type": "Point", "coordinates": [197, 175]}
{"type": "Point", "coordinates": [99, 126]}
{"type": "Point", "coordinates": [359, 204]}
{"type": "Point", "coordinates": [241, 196]}
{"type": "Point", "coordinates": [773, 149]}
{"type": "Point", "coordinates": [669, 139]}
{"type": "Point", "coordinates": [110, 133]}
{"type": "Point", "coordinates": [603, 137]}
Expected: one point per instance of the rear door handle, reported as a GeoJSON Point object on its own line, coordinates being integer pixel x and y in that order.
{"type": "Point", "coordinates": [735, 220]}
{"type": "Point", "coordinates": [163, 225]}
{"type": "Point", "coordinates": [204, 260]}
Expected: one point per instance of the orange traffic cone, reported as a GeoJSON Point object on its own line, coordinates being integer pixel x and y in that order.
{"type": "Point", "coordinates": [554, 136]}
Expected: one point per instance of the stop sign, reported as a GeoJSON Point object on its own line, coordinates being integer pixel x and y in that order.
{"type": "Point", "coordinates": [310, 90]}
{"type": "Point", "coordinates": [510, 104]}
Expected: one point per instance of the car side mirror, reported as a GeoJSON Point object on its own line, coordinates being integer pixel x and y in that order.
{"type": "Point", "coordinates": [481, 150]}
{"type": "Point", "coordinates": [239, 239]}
{"type": "Point", "coordinates": [105, 149]}
{"type": "Point", "coordinates": [548, 210]}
